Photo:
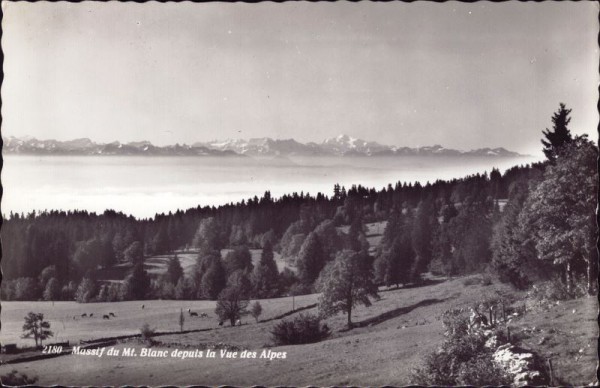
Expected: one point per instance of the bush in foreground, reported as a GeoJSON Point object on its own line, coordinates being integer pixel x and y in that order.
{"type": "Point", "coordinates": [303, 329]}
{"type": "Point", "coordinates": [543, 295]}
{"type": "Point", "coordinates": [463, 358]}
{"type": "Point", "coordinates": [14, 379]}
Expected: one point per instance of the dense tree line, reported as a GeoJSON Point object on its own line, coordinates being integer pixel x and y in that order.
{"type": "Point", "coordinates": [549, 229]}
{"type": "Point", "coordinates": [546, 229]}
{"type": "Point", "coordinates": [75, 249]}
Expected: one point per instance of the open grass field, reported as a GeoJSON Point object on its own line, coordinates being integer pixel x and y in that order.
{"type": "Point", "coordinates": [373, 233]}
{"type": "Point", "coordinates": [375, 228]}
{"type": "Point", "coordinates": [162, 315]}
{"type": "Point", "coordinates": [396, 333]}
{"type": "Point", "coordinates": [157, 265]}
{"type": "Point", "coordinates": [281, 263]}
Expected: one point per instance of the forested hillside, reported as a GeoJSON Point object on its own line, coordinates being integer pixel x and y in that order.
{"type": "Point", "coordinates": [532, 223]}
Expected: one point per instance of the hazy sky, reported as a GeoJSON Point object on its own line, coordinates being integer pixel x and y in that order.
{"type": "Point", "coordinates": [461, 75]}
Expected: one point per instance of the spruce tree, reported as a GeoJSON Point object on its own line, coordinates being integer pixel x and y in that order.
{"type": "Point", "coordinates": [214, 280]}
{"type": "Point", "coordinates": [266, 275]}
{"type": "Point", "coordinates": [174, 269]}
{"type": "Point", "coordinates": [238, 259]}
{"type": "Point", "coordinates": [559, 135]}
{"type": "Point", "coordinates": [311, 259]}
{"type": "Point", "coordinates": [507, 240]}
{"type": "Point", "coordinates": [139, 282]}
{"type": "Point", "coordinates": [423, 229]}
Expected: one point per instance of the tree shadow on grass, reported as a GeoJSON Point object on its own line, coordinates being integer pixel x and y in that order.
{"type": "Point", "coordinates": [423, 283]}
{"type": "Point", "coordinates": [394, 313]}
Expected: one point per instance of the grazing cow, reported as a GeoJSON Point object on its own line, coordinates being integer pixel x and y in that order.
{"type": "Point", "coordinates": [84, 315]}
{"type": "Point", "coordinates": [143, 307]}
{"type": "Point", "coordinates": [105, 317]}
{"type": "Point", "coordinates": [91, 315]}
{"type": "Point", "coordinates": [220, 323]}
{"type": "Point", "coordinates": [112, 314]}
{"type": "Point", "coordinates": [204, 315]}
{"type": "Point", "coordinates": [193, 314]}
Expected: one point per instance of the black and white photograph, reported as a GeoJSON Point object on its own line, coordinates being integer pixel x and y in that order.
{"type": "Point", "coordinates": [299, 193]}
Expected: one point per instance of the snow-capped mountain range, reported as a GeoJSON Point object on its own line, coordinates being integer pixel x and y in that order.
{"type": "Point", "coordinates": [84, 146]}
{"type": "Point", "coordinates": [342, 145]}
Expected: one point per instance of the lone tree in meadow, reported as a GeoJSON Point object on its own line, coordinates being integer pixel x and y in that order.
{"type": "Point", "coordinates": [256, 310]}
{"type": "Point", "coordinates": [559, 135]}
{"type": "Point", "coordinates": [36, 327]}
{"type": "Point", "coordinates": [346, 282]}
{"type": "Point", "coordinates": [232, 303]}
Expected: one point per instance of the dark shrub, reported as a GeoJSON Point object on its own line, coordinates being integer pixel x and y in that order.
{"type": "Point", "coordinates": [461, 361]}
{"type": "Point", "coordinates": [147, 333]}
{"type": "Point", "coordinates": [479, 371]}
{"type": "Point", "coordinates": [456, 322]}
{"type": "Point", "coordinates": [463, 358]}
{"type": "Point", "coordinates": [15, 379]}
{"type": "Point", "coordinates": [303, 329]}
{"type": "Point", "coordinates": [436, 370]}
{"type": "Point", "coordinates": [543, 296]}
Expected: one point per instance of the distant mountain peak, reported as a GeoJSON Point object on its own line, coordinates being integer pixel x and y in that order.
{"type": "Point", "coordinates": [341, 145]}
{"type": "Point", "coordinates": [341, 138]}
{"type": "Point", "coordinates": [84, 146]}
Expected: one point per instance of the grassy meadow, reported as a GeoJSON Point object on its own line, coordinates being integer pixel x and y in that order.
{"type": "Point", "coordinates": [162, 315]}
{"type": "Point", "coordinates": [396, 332]}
